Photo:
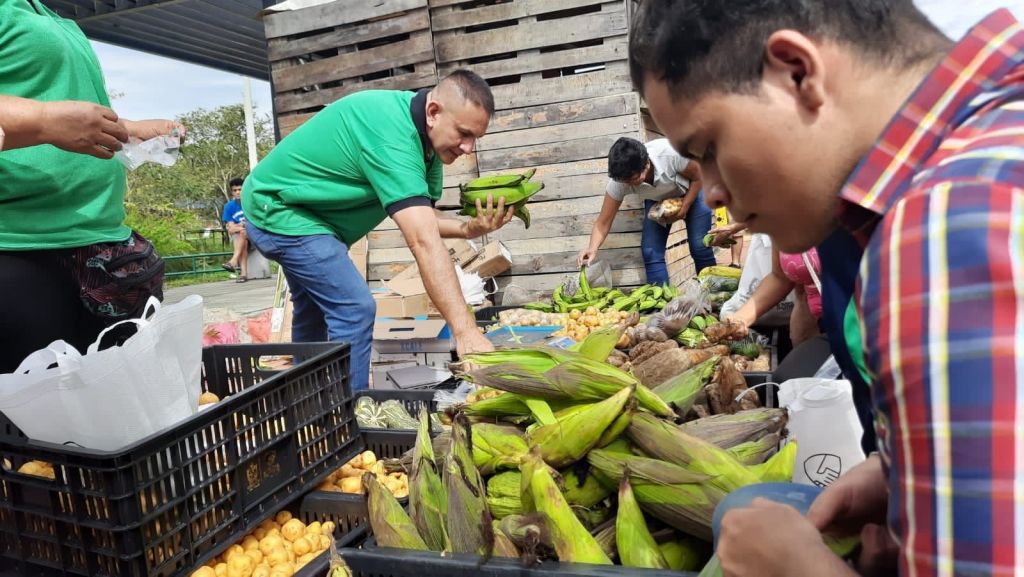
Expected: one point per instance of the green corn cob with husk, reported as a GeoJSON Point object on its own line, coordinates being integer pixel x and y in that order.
{"type": "Point", "coordinates": [571, 438]}
{"type": "Point", "coordinates": [685, 554]}
{"type": "Point", "coordinates": [779, 467]}
{"type": "Point", "coordinates": [497, 447]}
{"type": "Point", "coordinates": [587, 494]}
{"type": "Point", "coordinates": [595, 516]}
{"type": "Point", "coordinates": [663, 440]}
{"type": "Point", "coordinates": [428, 501]}
{"type": "Point", "coordinates": [468, 522]}
{"type": "Point", "coordinates": [572, 542]}
{"type": "Point", "coordinates": [712, 569]}
{"type": "Point", "coordinates": [553, 374]}
{"type": "Point", "coordinates": [617, 428]}
{"type": "Point", "coordinates": [503, 405]}
{"type": "Point", "coordinates": [729, 430]}
{"type": "Point", "coordinates": [635, 544]}
{"type": "Point", "coordinates": [756, 452]}
{"type": "Point", "coordinates": [503, 546]}
{"type": "Point", "coordinates": [600, 343]}
{"type": "Point", "coordinates": [504, 494]}
{"type": "Point", "coordinates": [391, 525]}
{"type": "Point", "coordinates": [682, 389]}
{"type": "Point", "coordinates": [679, 497]}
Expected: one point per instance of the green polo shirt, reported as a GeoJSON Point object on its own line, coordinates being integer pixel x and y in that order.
{"type": "Point", "coordinates": [342, 170]}
{"type": "Point", "coordinates": [50, 198]}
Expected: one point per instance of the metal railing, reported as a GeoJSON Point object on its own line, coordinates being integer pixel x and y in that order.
{"type": "Point", "coordinates": [198, 263]}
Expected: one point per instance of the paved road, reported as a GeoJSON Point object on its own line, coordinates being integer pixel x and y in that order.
{"type": "Point", "coordinates": [243, 299]}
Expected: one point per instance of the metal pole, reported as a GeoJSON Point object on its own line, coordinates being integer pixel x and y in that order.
{"type": "Point", "coordinates": [250, 126]}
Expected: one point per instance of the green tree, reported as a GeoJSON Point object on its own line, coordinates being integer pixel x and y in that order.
{"type": "Point", "coordinates": [163, 202]}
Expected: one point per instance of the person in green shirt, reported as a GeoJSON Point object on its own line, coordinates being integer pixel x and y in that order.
{"type": "Point", "coordinates": [61, 191]}
{"type": "Point", "coordinates": [371, 155]}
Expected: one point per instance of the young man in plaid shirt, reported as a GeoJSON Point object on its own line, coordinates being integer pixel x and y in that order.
{"type": "Point", "coordinates": [857, 127]}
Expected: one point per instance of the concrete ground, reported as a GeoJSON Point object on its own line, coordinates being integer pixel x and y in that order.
{"type": "Point", "coordinates": [228, 298]}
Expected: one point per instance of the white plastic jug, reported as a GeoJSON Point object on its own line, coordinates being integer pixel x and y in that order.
{"type": "Point", "coordinates": [823, 420]}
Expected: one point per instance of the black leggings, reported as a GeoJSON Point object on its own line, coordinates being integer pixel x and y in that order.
{"type": "Point", "coordinates": [39, 304]}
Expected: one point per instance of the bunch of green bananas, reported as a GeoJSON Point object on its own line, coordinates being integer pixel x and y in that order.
{"type": "Point", "coordinates": [643, 299]}
{"type": "Point", "coordinates": [516, 189]}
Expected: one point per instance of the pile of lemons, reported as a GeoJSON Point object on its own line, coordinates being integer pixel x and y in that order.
{"type": "Point", "coordinates": [279, 547]}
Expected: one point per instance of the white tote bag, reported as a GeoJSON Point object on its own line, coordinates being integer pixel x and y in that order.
{"type": "Point", "coordinates": [108, 399]}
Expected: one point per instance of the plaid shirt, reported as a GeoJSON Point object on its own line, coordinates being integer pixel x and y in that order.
{"type": "Point", "coordinates": [937, 317]}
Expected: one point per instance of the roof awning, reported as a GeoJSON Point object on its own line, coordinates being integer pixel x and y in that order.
{"type": "Point", "coordinates": [222, 34]}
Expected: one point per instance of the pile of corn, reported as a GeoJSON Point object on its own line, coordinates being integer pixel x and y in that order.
{"type": "Point", "coordinates": [564, 457]}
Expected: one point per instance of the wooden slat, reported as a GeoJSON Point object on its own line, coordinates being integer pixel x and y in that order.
{"type": "Point", "coordinates": [424, 76]}
{"type": "Point", "coordinates": [677, 233]}
{"type": "Point", "coordinates": [288, 123]}
{"type": "Point", "coordinates": [351, 34]}
{"type": "Point", "coordinates": [677, 253]}
{"type": "Point", "coordinates": [559, 169]}
{"type": "Point", "coordinates": [524, 62]}
{"type": "Point", "coordinates": [452, 46]}
{"type": "Point", "coordinates": [614, 79]}
{"type": "Point", "coordinates": [563, 112]}
{"type": "Point", "coordinates": [442, 3]}
{"type": "Point", "coordinates": [332, 14]}
{"type": "Point", "coordinates": [464, 165]}
{"type": "Point", "coordinates": [524, 156]}
{"type": "Point", "coordinates": [444, 18]}
{"type": "Point", "coordinates": [530, 246]}
{"type": "Point", "coordinates": [560, 133]}
{"type": "Point", "coordinates": [547, 282]}
{"type": "Point", "coordinates": [418, 48]}
{"type": "Point", "coordinates": [625, 222]}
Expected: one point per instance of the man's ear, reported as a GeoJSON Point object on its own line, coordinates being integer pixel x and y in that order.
{"type": "Point", "coordinates": [434, 109]}
{"type": "Point", "coordinates": [794, 63]}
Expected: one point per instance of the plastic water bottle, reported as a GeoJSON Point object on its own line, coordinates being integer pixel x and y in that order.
{"type": "Point", "coordinates": [823, 420]}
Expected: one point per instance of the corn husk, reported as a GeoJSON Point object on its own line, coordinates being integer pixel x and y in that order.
{"type": "Point", "coordinates": [600, 343]}
{"type": "Point", "coordinates": [391, 525]}
{"type": "Point", "coordinates": [573, 436]}
{"type": "Point", "coordinates": [619, 426]}
{"type": "Point", "coordinates": [634, 542]}
{"type": "Point", "coordinates": [503, 405]}
{"type": "Point", "coordinates": [681, 390]}
{"type": "Point", "coordinates": [593, 517]}
{"type": "Point", "coordinates": [554, 374]}
{"type": "Point", "coordinates": [497, 447]}
{"type": "Point", "coordinates": [531, 534]}
{"type": "Point", "coordinates": [729, 430]}
{"type": "Point", "coordinates": [587, 494]}
{"type": "Point", "coordinates": [468, 522]}
{"type": "Point", "coordinates": [663, 440]}
{"type": "Point", "coordinates": [679, 497]}
{"type": "Point", "coordinates": [712, 569]}
{"type": "Point", "coordinates": [572, 542]}
{"type": "Point", "coordinates": [779, 467]}
{"type": "Point", "coordinates": [685, 554]}
{"type": "Point", "coordinates": [504, 494]}
{"type": "Point", "coordinates": [428, 501]}
{"type": "Point", "coordinates": [756, 452]}
{"type": "Point", "coordinates": [605, 538]}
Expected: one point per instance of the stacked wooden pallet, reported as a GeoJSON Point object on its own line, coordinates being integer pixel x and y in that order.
{"type": "Point", "coordinates": [320, 53]}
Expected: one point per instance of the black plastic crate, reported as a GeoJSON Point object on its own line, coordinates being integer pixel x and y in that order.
{"type": "Point", "coordinates": [389, 443]}
{"type": "Point", "coordinates": [177, 498]}
{"type": "Point", "coordinates": [372, 561]}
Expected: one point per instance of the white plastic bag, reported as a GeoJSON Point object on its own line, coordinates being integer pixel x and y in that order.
{"type": "Point", "coordinates": [162, 150]}
{"type": "Point", "coordinates": [472, 287]}
{"type": "Point", "coordinates": [108, 399]}
{"type": "Point", "coordinates": [757, 265]}
{"type": "Point", "coordinates": [824, 422]}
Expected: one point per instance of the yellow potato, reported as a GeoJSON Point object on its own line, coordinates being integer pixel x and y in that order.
{"type": "Point", "coordinates": [356, 462]}
{"type": "Point", "coordinates": [277, 556]}
{"type": "Point", "coordinates": [208, 398]}
{"type": "Point", "coordinates": [259, 533]}
{"type": "Point", "coordinates": [352, 485]}
{"type": "Point", "coordinates": [241, 563]}
{"type": "Point", "coordinates": [256, 555]}
{"type": "Point", "coordinates": [250, 542]}
{"type": "Point", "coordinates": [293, 529]}
{"type": "Point", "coordinates": [261, 570]}
{"type": "Point", "coordinates": [314, 528]}
{"type": "Point", "coordinates": [327, 528]}
{"type": "Point", "coordinates": [221, 569]}
{"type": "Point", "coordinates": [233, 551]}
{"type": "Point", "coordinates": [368, 459]}
{"type": "Point", "coordinates": [270, 543]}
{"type": "Point", "coordinates": [283, 517]}
{"type": "Point", "coordinates": [349, 471]}
{"type": "Point", "coordinates": [325, 543]}
{"type": "Point", "coordinates": [301, 546]}
{"type": "Point", "coordinates": [204, 571]}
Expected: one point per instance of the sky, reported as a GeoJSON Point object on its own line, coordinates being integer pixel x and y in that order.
{"type": "Point", "coordinates": [157, 87]}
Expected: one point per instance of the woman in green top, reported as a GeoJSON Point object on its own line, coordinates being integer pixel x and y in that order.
{"type": "Point", "coordinates": [68, 264]}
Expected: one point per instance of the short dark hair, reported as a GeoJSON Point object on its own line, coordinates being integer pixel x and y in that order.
{"type": "Point", "coordinates": [236, 182]}
{"type": "Point", "coordinates": [626, 159]}
{"type": "Point", "coordinates": [696, 46]}
{"type": "Point", "coordinates": [473, 88]}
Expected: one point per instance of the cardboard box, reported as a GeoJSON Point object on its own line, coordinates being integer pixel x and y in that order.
{"type": "Point", "coordinates": [460, 250]}
{"type": "Point", "coordinates": [402, 298]}
{"type": "Point", "coordinates": [412, 336]}
{"type": "Point", "coordinates": [493, 260]}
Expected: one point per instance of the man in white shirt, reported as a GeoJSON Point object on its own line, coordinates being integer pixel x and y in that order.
{"type": "Point", "coordinates": [654, 171]}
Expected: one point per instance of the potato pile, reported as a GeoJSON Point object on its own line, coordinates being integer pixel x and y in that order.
{"type": "Point", "coordinates": [582, 323]}
{"type": "Point", "coordinates": [349, 478]}
{"type": "Point", "coordinates": [279, 547]}
{"type": "Point", "coordinates": [37, 469]}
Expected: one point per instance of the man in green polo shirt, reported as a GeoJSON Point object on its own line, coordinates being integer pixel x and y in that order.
{"type": "Point", "coordinates": [368, 156]}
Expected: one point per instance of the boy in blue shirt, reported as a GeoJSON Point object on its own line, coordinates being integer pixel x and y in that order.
{"type": "Point", "coordinates": [234, 220]}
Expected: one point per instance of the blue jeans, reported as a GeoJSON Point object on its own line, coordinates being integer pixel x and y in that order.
{"type": "Point", "coordinates": [330, 299]}
{"type": "Point", "coordinates": [655, 237]}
